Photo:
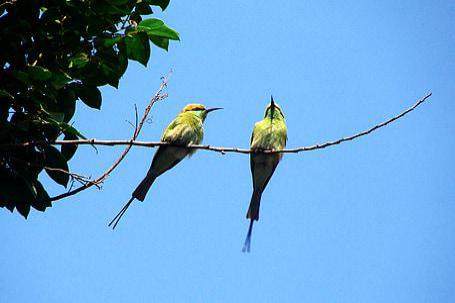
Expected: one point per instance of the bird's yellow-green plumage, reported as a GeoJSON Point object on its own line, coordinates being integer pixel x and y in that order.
{"type": "Point", "coordinates": [268, 134]}
{"type": "Point", "coordinates": [185, 129]}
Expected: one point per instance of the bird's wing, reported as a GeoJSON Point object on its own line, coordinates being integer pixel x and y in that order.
{"type": "Point", "coordinates": [252, 134]}
{"type": "Point", "coordinates": [285, 130]}
{"type": "Point", "coordinates": [251, 146]}
{"type": "Point", "coordinates": [262, 168]}
{"type": "Point", "coordinates": [183, 130]}
{"type": "Point", "coordinates": [168, 132]}
{"type": "Point", "coordinates": [261, 163]}
{"type": "Point", "coordinates": [284, 133]}
{"type": "Point", "coordinates": [166, 157]}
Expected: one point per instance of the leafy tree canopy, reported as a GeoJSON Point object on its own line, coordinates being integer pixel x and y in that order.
{"type": "Point", "coordinates": [54, 53]}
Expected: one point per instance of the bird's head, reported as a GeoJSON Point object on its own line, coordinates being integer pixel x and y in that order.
{"type": "Point", "coordinates": [198, 110]}
{"type": "Point", "coordinates": [273, 110]}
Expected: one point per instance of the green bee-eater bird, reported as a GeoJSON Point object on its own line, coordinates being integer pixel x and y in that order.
{"type": "Point", "coordinates": [268, 134]}
{"type": "Point", "coordinates": [184, 130]}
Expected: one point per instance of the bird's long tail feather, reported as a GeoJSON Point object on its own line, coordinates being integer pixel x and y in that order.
{"type": "Point", "coordinates": [247, 244]}
{"type": "Point", "coordinates": [252, 214]}
{"type": "Point", "coordinates": [143, 187]}
{"type": "Point", "coordinates": [120, 214]}
{"type": "Point", "coordinates": [255, 203]}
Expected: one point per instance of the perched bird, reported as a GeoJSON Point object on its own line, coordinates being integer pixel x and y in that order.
{"type": "Point", "coordinates": [268, 134]}
{"type": "Point", "coordinates": [184, 130]}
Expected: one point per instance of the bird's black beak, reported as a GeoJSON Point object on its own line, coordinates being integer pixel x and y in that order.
{"type": "Point", "coordinates": [272, 103]}
{"type": "Point", "coordinates": [208, 110]}
{"type": "Point", "coordinates": [272, 106]}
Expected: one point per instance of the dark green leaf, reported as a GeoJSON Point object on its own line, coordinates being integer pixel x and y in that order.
{"type": "Point", "coordinates": [4, 93]}
{"type": "Point", "coordinates": [42, 198]}
{"type": "Point", "coordinates": [122, 58]}
{"type": "Point", "coordinates": [59, 79]}
{"type": "Point", "coordinates": [66, 102]}
{"type": "Point", "coordinates": [70, 130]}
{"type": "Point", "coordinates": [138, 47]}
{"type": "Point", "coordinates": [29, 194]}
{"type": "Point", "coordinates": [17, 192]}
{"type": "Point", "coordinates": [117, 2]}
{"type": "Point", "coordinates": [151, 23]}
{"type": "Point", "coordinates": [90, 95]}
{"type": "Point", "coordinates": [109, 42]}
{"type": "Point", "coordinates": [21, 76]}
{"type": "Point", "coordinates": [53, 117]}
{"type": "Point", "coordinates": [39, 73]}
{"type": "Point", "coordinates": [68, 150]}
{"type": "Point", "coordinates": [161, 3]}
{"type": "Point", "coordinates": [119, 10]}
{"type": "Point", "coordinates": [143, 8]}
{"type": "Point", "coordinates": [160, 42]}
{"type": "Point", "coordinates": [79, 60]}
{"type": "Point", "coordinates": [109, 67]}
{"type": "Point", "coordinates": [56, 165]}
{"type": "Point", "coordinates": [113, 82]}
{"type": "Point", "coordinates": [8, 204]}
{"type": "Point", "coordinates": [109, 72]}
{"type": "Point", "coordinates": [23, 208]}
{"type": "Point", "coordinates": [165, 32]}
{"type": "Point", "coordinates": [111, 7]}
{"type": "Point", "coordinates": [58, 117]}
{"type": "Point", "coordinates": [156, 27]}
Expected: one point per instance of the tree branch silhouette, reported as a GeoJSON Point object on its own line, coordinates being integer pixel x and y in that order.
{"type": "Point", "coordinates": [223, 150]}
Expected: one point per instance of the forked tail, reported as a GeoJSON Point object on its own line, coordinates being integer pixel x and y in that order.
{"type": "Point", "coordinates": [247, 244]}
{"type": "Point", "coordinates": [120, 214]}
{"type": "Point", "coordinates": [252, 214]}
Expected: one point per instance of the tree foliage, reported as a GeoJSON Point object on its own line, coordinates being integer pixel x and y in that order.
{"type": "Point", "coordinates": [54, 53]}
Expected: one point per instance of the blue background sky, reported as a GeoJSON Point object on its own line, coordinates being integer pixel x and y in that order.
{"type": "Point", "coordinates": [368, 221]}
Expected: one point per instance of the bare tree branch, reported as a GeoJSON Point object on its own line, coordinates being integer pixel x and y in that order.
{"type": "Point", "coordinates": [158, 96]}
{"type": "Point", "coordinates": [76, 177]}
{"type": "Point", "coordinates": [224, 150]}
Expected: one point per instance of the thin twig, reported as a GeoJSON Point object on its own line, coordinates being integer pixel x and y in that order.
{"type": "Point", "coordinates": [80, 178]}
{"type": "Point", "coordinates": [224, 150]}
{"type": "Point", "coordinates": [136, 117]}
{"type": "Point", "coordinates": [135, 121]}
{"type": "Point", "coordinates": [101, 178]}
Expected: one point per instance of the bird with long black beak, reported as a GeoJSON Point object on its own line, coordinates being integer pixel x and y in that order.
{"type": "Point", "coordinates": [184, 130]}
{"type": "Point", "coordinates": [268, 134]}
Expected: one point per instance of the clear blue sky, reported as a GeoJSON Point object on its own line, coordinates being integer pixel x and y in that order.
{"type": "Point", "coordinates": [368, 221]}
